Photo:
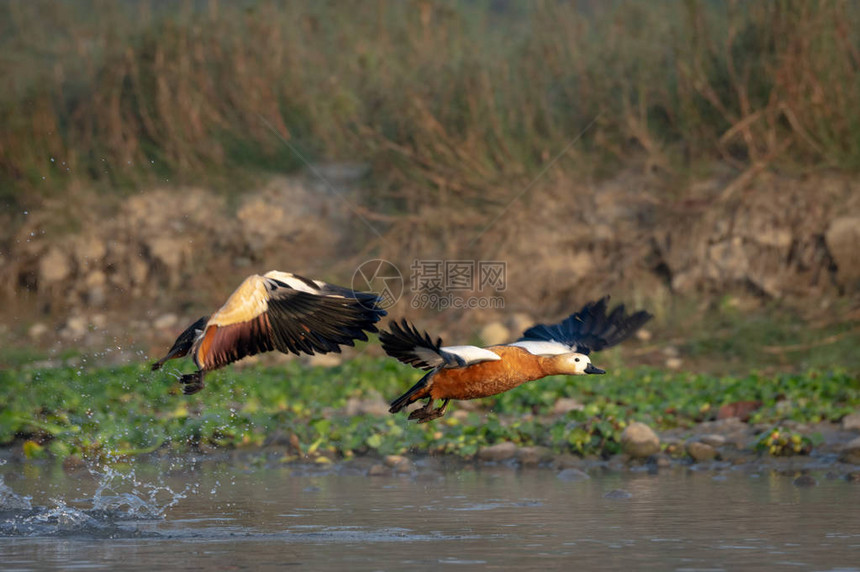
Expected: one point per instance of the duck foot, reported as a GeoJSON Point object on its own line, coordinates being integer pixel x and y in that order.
{"type": "Point", "coordinates": [427, 413]}
{"type": "Point", "coordinates": [192, 382]}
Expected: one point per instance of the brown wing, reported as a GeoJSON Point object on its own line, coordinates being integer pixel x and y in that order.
{"type": "Point", "coordinates": [265, 314]}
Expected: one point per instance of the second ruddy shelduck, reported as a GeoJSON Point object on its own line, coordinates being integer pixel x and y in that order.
{"type": "Point", "coordinates": [275, 311]}
{"type": "Point", "coordinates": [470, 372]}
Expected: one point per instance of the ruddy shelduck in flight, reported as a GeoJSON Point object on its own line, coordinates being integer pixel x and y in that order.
{"type": "Point", "coordinates": [275, 311]}
{"type": "Point", "coordinates": [470, 372]}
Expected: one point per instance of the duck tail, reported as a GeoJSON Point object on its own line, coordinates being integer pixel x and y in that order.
{"type": "Point", "coordinates": [415, 393]}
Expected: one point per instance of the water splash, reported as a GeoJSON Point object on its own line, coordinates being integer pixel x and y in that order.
{"type": "Point", "coordinates": [10, 501]}
{"type": "Point", "coordinates": [146, 500]}
{"type": "Point", "coordinates": [113, 511]}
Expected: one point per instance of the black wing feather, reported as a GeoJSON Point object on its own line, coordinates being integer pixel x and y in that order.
{"type": "Point", "coordinates": [590, 329]}
{"type": "Point", "coordinates": [401, 341]}
{"type": "Point", "coordinates": [310, 323]}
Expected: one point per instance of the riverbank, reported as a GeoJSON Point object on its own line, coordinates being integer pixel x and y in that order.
{"type": "Point", "coordinates": [329, 415]}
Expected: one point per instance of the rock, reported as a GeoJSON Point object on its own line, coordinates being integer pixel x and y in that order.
{"type": "Point", "coordinates": [728, 260]}
{"type": "Point", "coordinates": [851, 452]}
{"type": "Point", "coordinates": [37, 331]}
{"type": "Point", "coordinates": [738, 457]}
{"type": "Point", "coordinates": [498, 452]}
{"type": "Point", "coordinates": [520, 322]}
{"type": "Point", "coordinates": [740, 409]}
{"type": "Point", "coordinates": [643, 335]}
{"type": "Point", "coordinates": [842, 238]}
{"type": "Point", "coordinates": [700, 451]}
{"type": "Point", "coordinates": [95, 283]}
{"type": "Point", "coordinates": [495, 333]}
{"type": "Point", "coordinates": [674, 363]}
{"type": "Point", "coordinates": [851, 422]}
{"type": "Point", "coordinates": [805, 481]}
{"type": "Point", "coordinates": [572, 475]}
{"type": "Point", "coordinates": [76, 326]}
{"type": "Point", "coordinates": [378, 470]}
{"type": "Point", "coordinates": [54, 267]}
{"type": "Point", "coordinates": [713, 440]}
{"type": "Point", "coordinates": [404, 466]}
{"type": "Point", "coordinates": [88, 250]}
{"type": "Point", "coordinates": [137, 272]}
{"type": "Point", "coordinates": [169, 251]}
{"type": "Point", "coordinates": [567, 461]}
{"type": "Point", "coordinates": [618, 494]}
{"type": "Point", "coordinates": [566, 405]}
{"type": "Point", "coordinates": [393, 460]}
{"type": "Point", "coordinates": [639, 441]}
{"type": "Point", "coordinates": [532, 456]}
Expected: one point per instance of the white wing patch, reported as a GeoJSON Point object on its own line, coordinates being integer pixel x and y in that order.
{"type": "Point", "coordinates": [291, 281]}
{"type": "Point", "coordinates": [469, 355]}
{"type": "Point", "coordinates": [539, 348]}
{"type": "Point", "coordinates": [428, 356]}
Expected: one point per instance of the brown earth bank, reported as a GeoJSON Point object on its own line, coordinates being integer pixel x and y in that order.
{"type": "Point", "coordinates": [160, 257]}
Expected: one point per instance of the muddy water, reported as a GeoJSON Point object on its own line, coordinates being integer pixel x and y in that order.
{"type": "Point", "coordinates": [233, 514]}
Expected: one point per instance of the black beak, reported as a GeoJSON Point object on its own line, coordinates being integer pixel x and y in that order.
{"type": "Point", "coordinates": [591, 369]}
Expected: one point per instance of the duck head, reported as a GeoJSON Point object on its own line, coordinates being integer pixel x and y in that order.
{"type": "Point", "coordinates": [575, 364]}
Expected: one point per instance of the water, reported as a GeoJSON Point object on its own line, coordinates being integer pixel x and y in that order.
{"type": "Point", "coordinates": [232, 514]}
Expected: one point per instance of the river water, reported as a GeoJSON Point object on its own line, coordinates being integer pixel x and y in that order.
{"type": "Point", "coordinates": [233, 514]}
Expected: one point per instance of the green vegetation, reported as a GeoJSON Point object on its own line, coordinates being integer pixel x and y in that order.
{"type": "Point", "coordinates": [129, 410]}
{"type": "Point", "coordinates": [435, 95]}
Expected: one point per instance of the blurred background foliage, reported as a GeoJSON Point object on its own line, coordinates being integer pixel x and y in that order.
{"type": "Point", "coordinates": [138, 140]}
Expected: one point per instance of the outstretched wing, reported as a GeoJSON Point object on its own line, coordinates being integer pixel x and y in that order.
{"type": "Point", "coordinates": [288, 313]}
{"type": "Point", "coordinates": [405, 343]}
{"type": "Point", "coordinates": [589, 330]}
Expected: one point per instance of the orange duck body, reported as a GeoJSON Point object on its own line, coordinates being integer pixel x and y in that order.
{"type": "Point", "coordinates": [516, 367]}
{"type": "Point", "coordinates": [469, 372]}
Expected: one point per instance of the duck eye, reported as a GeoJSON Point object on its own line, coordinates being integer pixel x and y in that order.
{"type": "Point", "coordinates": [576, 359]}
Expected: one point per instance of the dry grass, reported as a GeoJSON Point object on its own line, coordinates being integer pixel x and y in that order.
{"type": "Point", "coordinates": [447, 101]}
